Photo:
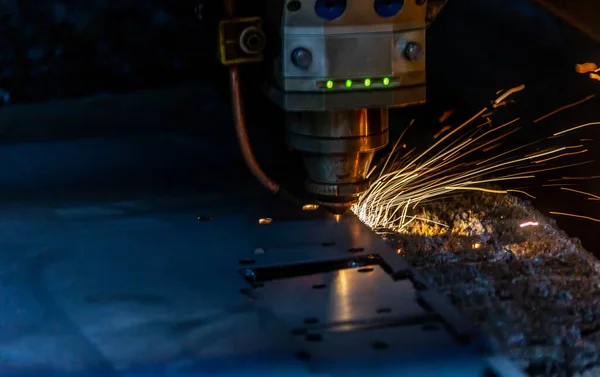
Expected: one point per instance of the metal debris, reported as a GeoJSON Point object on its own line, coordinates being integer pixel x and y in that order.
{"type": "Point", "coordinates": [534, 289]}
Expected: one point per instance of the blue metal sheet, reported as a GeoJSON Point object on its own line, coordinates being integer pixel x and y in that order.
{"type": "Point", "coordinates": [195, 286]}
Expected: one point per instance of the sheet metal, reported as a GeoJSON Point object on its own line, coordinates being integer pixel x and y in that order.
{"type": "Point", "coordinates": [196, 286]}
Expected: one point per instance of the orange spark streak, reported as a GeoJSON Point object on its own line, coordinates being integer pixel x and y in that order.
{"type": "Point", "coordinates": [581, 192]}
{"type": "Point", "coordinates": [576, 128]}
{"type": "Point", "coordinates": [564, 108]}
{"type": "Point", "coordinates": [577, 216]}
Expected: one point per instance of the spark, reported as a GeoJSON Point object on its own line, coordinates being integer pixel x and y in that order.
{"type": "Point", "coordinates": [265, 220]}
{"type": "Point", "coordinates": [444, 129]}
{"type": "Point", "coordinates": [508, 93]}
{"type": "Point", "coordinates": [522, 192]}
{"type": "Point", "coordinates": [581, 192]}
{"type": "Point", "coordinates": [476, 245]}
{"type": "Point", "coordinates": [494, 146]}
{"type": "Point", "coordinates": [404, 183]}
{"type": "Point", "coordinates": [574, 215]}
{"type": "Point", "coordinates": [564, 108]}
{"type": "Point", "coordinates": [575, 178]}
{"type": "Point", "coordinates": [576, 128]}
{"type": "Point", "coordinates": [476, 189]}
{"type": "Point", "coordinates": [444, 117]}
{"type": "Point", "coordinates": [561, 155]}
{"type": "Point", "coordinates": [560, 185]}
{"type": "Point", "coordinates": [529, 223]}
{"type": "Point", "coordinates": [586, 68]}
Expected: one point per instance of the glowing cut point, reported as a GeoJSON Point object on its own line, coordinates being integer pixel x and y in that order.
{"type": "Point", "coordinates": [329, 84]}
{"type": "Point", "coordinates": [265, 220]}
{"type": "Point", "coordinates": [386, 81]}
{"type": "Point", "coordinates": [367, 82]}
{"type": "Point", "coordinates": [476, 245]}
{"type": "Point", "coordinates": [310, 207]}
{"type": "Point", "coordinates": [529, 223]}
{"type": "Point", "coordinates": [348, 83]}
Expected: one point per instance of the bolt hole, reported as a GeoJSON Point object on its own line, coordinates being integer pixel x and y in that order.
{"type": "Point", "coordinates": [297, 332]}
{"type": "Point", "coordinates": [294, 6]}
{"type": "Point", "coordinates": [430, 328]}
{"type": "Point", "coordinates": [327, 244]}
{"type": "Point", "coordinates": [366, 269]}
{"type": "Point", "coordinates": [319, 286]}
{"type": "Point", "coordinates": [384, 311]}
{"type": "Point", "coordinates": [356, 250]}
{"type": "Point", "coordinates": [403, 274]}
{"type": "Point", "coordinates": [380, 345]}
{"type": "Point", "coordinates": [303, 355]}
{"type": "Point", "coordinates": [246, 262]}
{"type": "Point", "coordinates": [206, 218]}
{"type": "Point", "coordinates": [490, 373]}
{"type": "Point", "coordinates": [330, 9]}
{"type": "Point", "coordinates": [311, 321]}
{"type": "Point", "coordinates": [419, 286]}
{"type": "Point", "coordinates": [313, 337]}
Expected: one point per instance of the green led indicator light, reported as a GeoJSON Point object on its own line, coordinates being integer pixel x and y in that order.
{"type": "Point", "coordinates": [386, 81]}
{"type": "Point", "coordinates": [367, 82]}
{"type": "Point", "coordinates": [348, 83]}
{"type": "Point", "coordinates": [329, 84]}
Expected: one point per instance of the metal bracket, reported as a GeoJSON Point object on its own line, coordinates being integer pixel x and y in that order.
{"type": "Point", "coordinates": [241, 40]}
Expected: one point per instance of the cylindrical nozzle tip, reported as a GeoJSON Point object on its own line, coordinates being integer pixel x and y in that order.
{"type": "Point", "coordinates": [337, 208]}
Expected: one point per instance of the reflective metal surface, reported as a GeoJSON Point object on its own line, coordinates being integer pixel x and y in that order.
{"type": "Point", "coordinates": [337, 148]}
{"type": "Point", "coordinates": [398, 97]}
{"type": "Point", "coordinates": [357, 41]}
{"type": "Point", "coordinates": [181, 286]}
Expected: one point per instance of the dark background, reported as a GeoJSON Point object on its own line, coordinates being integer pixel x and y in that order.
{"type": "Point", "coordinates": [127, 98]}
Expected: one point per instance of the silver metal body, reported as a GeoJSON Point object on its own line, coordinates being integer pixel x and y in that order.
{"type": "Point", "coordinates": [358, 45]}
{"type": "Point", "coordinates": [337, 68]}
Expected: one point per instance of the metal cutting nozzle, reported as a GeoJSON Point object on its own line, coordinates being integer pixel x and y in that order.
{"type": "Point", "coordinates": [337, 148]}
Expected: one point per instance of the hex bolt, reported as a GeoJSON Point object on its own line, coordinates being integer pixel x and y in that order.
{"type": "Point", "coordinates": [413, 51]}
{"type": "Point", "coordinates": [302, 58]}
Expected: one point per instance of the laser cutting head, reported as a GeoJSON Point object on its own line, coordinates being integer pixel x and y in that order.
{"type": "Point", "coordinates": [337, 68]}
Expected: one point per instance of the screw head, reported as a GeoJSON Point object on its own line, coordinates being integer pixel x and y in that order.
{"type": "Point", "coordinates": [252, 40]}
{"type": "Point", "coordinates": [413, 51]}
{"type": "Point", "coordinates": [302, 58]}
